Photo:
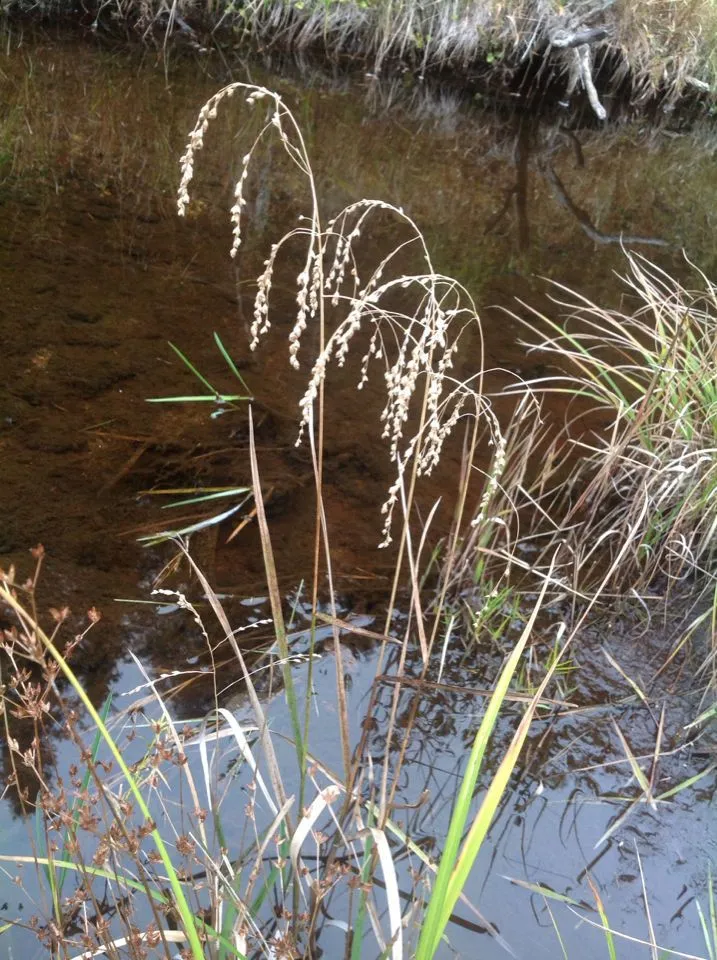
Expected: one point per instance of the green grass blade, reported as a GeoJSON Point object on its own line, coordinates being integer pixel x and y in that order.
{"type": "Point", "coordinates": [684, 784]}
{"type": "Point", "coordinates": [90, 870]}
{"type": "Point", "coordinates": [705, 931]}
{"type": "Point", "coordinates": [637, 771]}
{"type": "Point", "coordinates": [201, 398]}
{"type": "Point", "coordinates": [48, 862]}
{"type": "Point", "coordinates": [557, 932]}
{"type": "Point", "coordinates": [112, 875]}
{"type": "Point", "coordinates": [546, 892]}
{"type": "Point", "coordinates": [609, 939]}
{"type": "Point", "coordinates": [453, 872]}
{"type": "Point", "coordinates": [713, 910]}
{"type": "Point", "coordinates": [206, 498]}
{"type": "Point", "coordinates": [360, 922]}
{"type": "Point", "coordinates": [190, 366]}
{"type": "Point", "coordinates": [230, 363]}
{"type": "Point", "coordinates": [707, 714]}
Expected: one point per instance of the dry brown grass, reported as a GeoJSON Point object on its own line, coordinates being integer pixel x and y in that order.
{"type": "Point", "coordinates": [660, 45]}
{"type": "Point", "coordinates": [648, 479]}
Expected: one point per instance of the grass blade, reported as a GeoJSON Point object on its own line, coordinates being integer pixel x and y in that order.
{"type": "Point", "coordinates": [452, 871]}
{"type": "Point", "coordinates": [190, 366]}
{"type": "Point", "coordinates": [609, 940]}
{"type": "Point", "coordinates": [230, 363]}
{"type": "Point", "coordinates": [218, 398]}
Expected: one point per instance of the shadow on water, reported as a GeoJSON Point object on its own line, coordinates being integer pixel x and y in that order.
{"type": "Point", "coordinates": [98, 274]}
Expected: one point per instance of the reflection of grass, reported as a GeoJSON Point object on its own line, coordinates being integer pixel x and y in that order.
{"type": "Point", "coordinates": [114, 142]}
{"type": "Point", "coordinates": [663, 44]}
{"type": "Point", "coordinates": [125, 141]}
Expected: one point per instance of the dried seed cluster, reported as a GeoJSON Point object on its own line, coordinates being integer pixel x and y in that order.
{"type": "Point", "coordinates": [413, 322]}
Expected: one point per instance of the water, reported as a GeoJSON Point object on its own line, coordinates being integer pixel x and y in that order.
{"type": "Point", "coordinates": [97, 275]}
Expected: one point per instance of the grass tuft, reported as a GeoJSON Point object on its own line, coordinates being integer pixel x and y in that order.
{"type": "Point", "coordinates": [648, 377]}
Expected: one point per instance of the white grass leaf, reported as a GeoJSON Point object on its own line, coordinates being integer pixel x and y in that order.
{"type": "Point", "coordinates": [306, 824]}
{"type": "Point", "coordinates": [245, 751]}
{"type": "Point", "coordinates": [392, 895]}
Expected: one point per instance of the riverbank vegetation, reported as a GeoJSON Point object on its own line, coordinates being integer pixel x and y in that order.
{"type": "Point", "coordinates": [648, 476]}
{"type": "Point", "coordinates": [623, 49]}
{"type": "Point", "coordinates": [228, 838]}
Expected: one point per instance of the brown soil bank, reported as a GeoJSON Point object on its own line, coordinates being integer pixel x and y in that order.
{"type": "Point", "coordinates": [605, 53]}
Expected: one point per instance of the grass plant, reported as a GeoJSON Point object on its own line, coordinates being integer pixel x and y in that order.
{"type": "Point", "coordinates": [651, 473]}
{"type": "Point", "coordinates": [217, 890]}
{"type": "Point", "coordinates": [409, 325]}
{"type": "Point", "coordinates": [665, 46]}
{"type": "Point", "coordinates": [162, 850]}
{"type": "Point", "coordinates": [222, 403]}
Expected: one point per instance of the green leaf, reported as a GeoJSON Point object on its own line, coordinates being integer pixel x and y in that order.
{"type": "Point", "coordinates": [230, 363]}
{"type": "Point", "coordinates": [185, 360]}
{"type": "Point", "coordinates": [453, 869]}
{"type": "Point", "coordinates": [217, 398]}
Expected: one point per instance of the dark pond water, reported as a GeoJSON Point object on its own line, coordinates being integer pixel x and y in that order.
{"type": "Point", "coordinates": [97, 273]}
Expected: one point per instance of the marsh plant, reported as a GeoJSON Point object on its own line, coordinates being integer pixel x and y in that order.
{"type": "Point", "coordinates": [649, 478]}
{"type": "Point", "coordinates": [210, 871]}
{"type": "Point", "coordinates": [230, 839]}
{"type": "Point", "coordinates": [409, 325]}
